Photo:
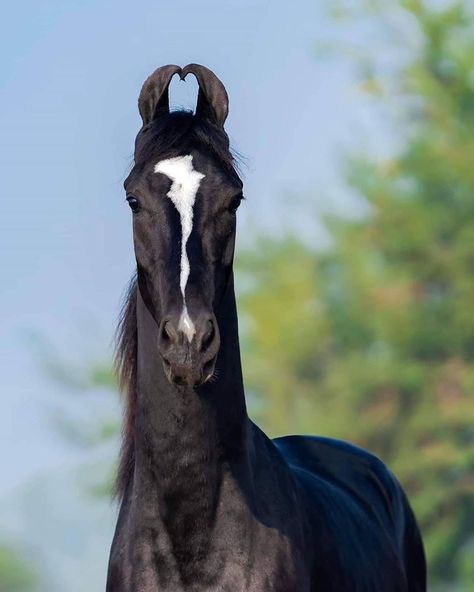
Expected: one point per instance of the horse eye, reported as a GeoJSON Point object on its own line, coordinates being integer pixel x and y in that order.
{"type": "Point", "coordinates": [133, 203]}
{"type": "Point", "coordinates": [235, 203]}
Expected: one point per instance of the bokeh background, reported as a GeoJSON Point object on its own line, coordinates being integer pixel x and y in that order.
{"type": "Point", "coordinates": [355, 252]}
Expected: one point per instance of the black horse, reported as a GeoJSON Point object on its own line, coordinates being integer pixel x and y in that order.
{"type": "Point", "coordinates": [209, 502]}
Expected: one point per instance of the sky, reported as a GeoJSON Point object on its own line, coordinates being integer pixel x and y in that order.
{"type": "Point", "coordinates": [70, 76]}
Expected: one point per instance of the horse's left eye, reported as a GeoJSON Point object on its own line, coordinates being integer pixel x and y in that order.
{"type": "Point", "coordinates": [133, 203]}
{"type": "Point", "coordinates": [235, 203]}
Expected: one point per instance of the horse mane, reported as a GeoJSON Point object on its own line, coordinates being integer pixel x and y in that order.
{"type": "Point", "coordinates": [177, 129]}
{"type": "Point", "coordinates": [125, 367]}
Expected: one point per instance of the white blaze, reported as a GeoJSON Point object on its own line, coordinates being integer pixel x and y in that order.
{"type": "Point", "coordinates": [184, 187]}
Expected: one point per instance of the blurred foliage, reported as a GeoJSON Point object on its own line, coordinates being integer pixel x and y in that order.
{"type": "Point", "coordinates": [372, 340]}
{"type": "Point", "coordinates": [15, 574]}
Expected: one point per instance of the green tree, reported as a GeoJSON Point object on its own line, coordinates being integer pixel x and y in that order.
{"type": "Point", "coordinates": [372, 340]}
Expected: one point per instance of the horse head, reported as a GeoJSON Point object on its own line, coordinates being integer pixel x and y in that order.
{"type": "Point", "coordinates": [184, 192]}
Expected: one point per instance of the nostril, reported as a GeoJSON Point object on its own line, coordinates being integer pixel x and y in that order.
{"type": "Point", "coordinates": [208, 335]}
{"type": "Point", "coordinates": [168, 334]}
{"type": "Point", "coordinates": [165, 335]}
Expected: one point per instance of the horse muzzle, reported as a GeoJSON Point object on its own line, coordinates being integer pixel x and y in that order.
{"type": "Point", "coordinates": [189, 347]}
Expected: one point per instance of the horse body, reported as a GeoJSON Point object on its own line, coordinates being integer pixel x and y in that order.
{"type": "Point", "coordinates": [208, 501]}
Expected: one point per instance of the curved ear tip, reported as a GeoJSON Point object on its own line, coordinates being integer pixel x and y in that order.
{"type": "Point", "coordinates": [186, 70]}
{"type": "Point", "coordinates": [166, 70]}
{"type": "Point", "coordinates": [194, 68]}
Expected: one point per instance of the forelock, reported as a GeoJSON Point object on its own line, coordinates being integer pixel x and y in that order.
{"type": "Point", "coordinates": [182, 131]}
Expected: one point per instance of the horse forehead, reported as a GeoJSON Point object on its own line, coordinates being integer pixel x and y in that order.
{"type": "Point", "coordinates": [185, 182]}
{"type": "Point", "coordinates": [180, 169]}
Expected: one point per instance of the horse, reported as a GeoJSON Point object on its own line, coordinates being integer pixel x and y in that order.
{"type": "Point", "coordinates": [207, 501]}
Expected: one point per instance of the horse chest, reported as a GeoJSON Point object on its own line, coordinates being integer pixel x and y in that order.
{"type": "Point", "coordinates": [241, 555]}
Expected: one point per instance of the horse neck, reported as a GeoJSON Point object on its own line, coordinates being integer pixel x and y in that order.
{"type": "Point", "coordinates": [185, 436]}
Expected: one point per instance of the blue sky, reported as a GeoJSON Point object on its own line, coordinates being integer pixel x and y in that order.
{"type": "Point", "coordinates": [69, 79]}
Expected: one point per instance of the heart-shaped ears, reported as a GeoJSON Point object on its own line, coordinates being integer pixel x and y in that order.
{"type": "Point", "coordinates": [212, 102]}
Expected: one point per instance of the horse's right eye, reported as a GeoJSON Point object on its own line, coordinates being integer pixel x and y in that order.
{"type": "Point", "coordinates": [133, 203]}
{"type": "Point", "coordinates": [235, 203]}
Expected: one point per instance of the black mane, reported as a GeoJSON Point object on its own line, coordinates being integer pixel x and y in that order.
{"type": "Point", "coordinates": [125, 366]}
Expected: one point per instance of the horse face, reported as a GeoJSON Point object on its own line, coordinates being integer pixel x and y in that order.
{"type": "Point", "coordinates": [184, 208]}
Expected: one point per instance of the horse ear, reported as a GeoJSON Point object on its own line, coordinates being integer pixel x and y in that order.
{"type": "Point", "coordinates": [153, 100]}
{"type": "Point", "coordinates": [213, 102]}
